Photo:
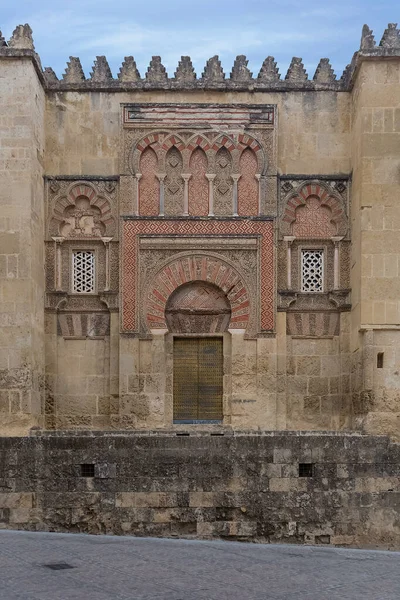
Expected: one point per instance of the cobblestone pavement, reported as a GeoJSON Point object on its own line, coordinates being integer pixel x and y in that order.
{"type": "Point", "coordinates": [127, 568]}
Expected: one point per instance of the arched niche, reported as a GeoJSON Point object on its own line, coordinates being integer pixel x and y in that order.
{"type": "Point", "coordinates": [198, 307]}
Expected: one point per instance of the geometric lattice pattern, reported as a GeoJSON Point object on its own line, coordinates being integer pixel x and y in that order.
{"type": "Point", "coordinates": [312, 271]}
{"type": "Point", "coordinates": [313, 220]}
{"type": "Point", "coordinates": [133, 228]}
{"type": "Point", "coordinates": [83, 271]}
{"type": "Point", "coordinates": [248, 184]}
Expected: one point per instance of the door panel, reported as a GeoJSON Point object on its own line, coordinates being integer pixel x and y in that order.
{"type": "Point", "coordinates": [198, 378]}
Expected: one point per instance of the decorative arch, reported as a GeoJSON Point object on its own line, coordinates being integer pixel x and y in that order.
{"type": "Point", "coordinates": [173, 140]}
{"type": "Point", "coordinates": [197, 268]}
{"type": "Point", "coordinates": [152, 140]}
{"type": "Point", "coordinates": [248, 186]}
{"type": "Point", "coordinates": [247, 141]}
{"type": "Point", "coordinates": [224, 141]}
{"type": "Point", "coordinates": [309, 199]}
{"type": "Point", "coordinates": [198, 141]}
{"type": "Point", "coordinates": [82, 213]}
{"type": "Point", "coordinates": [148, 185]}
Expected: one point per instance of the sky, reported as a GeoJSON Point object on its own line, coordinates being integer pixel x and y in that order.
{"type": "Point", "coordinates": [198, 28]}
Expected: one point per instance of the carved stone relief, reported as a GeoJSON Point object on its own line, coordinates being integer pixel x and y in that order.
{"type": "Point", "coordinates": [173, 187]}
{"type": "Point", "coordinates": [82, 209]}
{"type": "Point", "coordinates": [198, 307]}
{"type": "Point", "coordinates": [223, 184]}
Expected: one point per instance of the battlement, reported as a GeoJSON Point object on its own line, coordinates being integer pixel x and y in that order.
{"type": "Point", "coordinates": [213, 77]}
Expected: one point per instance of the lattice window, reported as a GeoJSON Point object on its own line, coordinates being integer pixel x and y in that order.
{"type": "Point", "coordinates": [83, 271]}
{"type": "Point", "coordinates": [312, 270]}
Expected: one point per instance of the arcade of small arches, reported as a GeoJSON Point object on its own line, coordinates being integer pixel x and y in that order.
{"type": "Point", "coordinates": [198, 176]}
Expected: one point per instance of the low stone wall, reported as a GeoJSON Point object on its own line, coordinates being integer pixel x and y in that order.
{"type": "Point", "coordinates": [322, 488]}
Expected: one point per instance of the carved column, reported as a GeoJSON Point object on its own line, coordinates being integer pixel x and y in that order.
{"type": "Point", "coordinates": [336, 262]}
{"type": "Point", "coordinates": [289, 239]}
{"type": "Point", "coordinates": [210, 178]}
{"type": "Point", "coordinates": [161, 177]}
{"type": "Point", "coordinates": [106, 241]}
{"type": "Point", "coordinates": [258, 177]}
{"type": "Point", "coordinates": [235, 194]}
{"type": "Point", "coordinates": [186, 177]}
{"type": "Point", "coordinates": [136, 199]}
{"type": "Point", "coordinates": [57, 263]}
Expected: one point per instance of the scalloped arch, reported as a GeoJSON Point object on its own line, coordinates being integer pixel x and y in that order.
{"type": "Point", "coordinates": [86, 190]}
{"type": "Point", "coordinates": [326, 197]}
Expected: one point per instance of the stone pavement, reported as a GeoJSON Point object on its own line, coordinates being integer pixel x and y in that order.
{"type": "Point", "coordinates": [51, 566]}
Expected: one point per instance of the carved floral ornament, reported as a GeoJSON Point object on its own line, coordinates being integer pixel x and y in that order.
{"type": "Point", "coordinates": [161, 142]}
{"type": "Point", "coordinates": [82, 212]}
{"type": "Point", "coordinates": [313, 211]}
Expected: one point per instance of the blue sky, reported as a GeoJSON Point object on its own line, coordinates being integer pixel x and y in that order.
{"type": "Point", "coordinates": [257, 28]}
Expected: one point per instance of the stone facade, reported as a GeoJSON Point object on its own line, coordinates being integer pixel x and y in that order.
{"type": "Point", "coordinates": [326, 488]}
{"type": "Point", "coordinates": [257, 210]}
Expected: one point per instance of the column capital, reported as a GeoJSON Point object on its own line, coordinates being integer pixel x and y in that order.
{"type": "Point", "coordinates": [106, 240]}
{"type": "Point", "coordinates": [336, 239]}
{"type": "Point", "coordinates": [211, 176]}
{"type": "Point", "coordinates": [137, 176]}
{"type": "Point", "coordinates": [161, 176]}
{"type": "Point", "coordinates": [289, 238]}
{"type": "Point", "coordinates": [186, 176]}
{"type": "Point", "coordinates": [236, 177]}
{"type": "Point", "coordinates": [58, 240]}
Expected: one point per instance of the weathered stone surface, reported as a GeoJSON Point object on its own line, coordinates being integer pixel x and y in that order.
{"type": "Point", "coordinates": [243, 487]}
{"type": "Point", "coordinates": [269, 72]}
{"type": "Point", "coordinates": [324, 72]}
{"type": "Point", "coordinates": [296, 72]}
{"type": "Point", "coordinates": [129, 70]}
{"type": "Point", "coordinates": [101, 71]}
{"type": "Point", "coordinates": [391, 37]}
{"type": "Point", "coordinates": [156, 72]}
{"type": "Point", "coordinates": [74, 72]}
{"type": "Point", "coordinates": [185, 72]}
{"type": "Point", "coordinates": [22, 38]}
{"type": "Point", "coordinates": [213, 72]}
{"type": "Point", "coordinates": [240, 71]}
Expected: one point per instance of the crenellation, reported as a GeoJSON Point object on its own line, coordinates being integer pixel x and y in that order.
{"type": "Point", "coordinates": [391, 37]}
{"type": "Point", "coordinates": [129, 71]}
{"type": "Point", "coordinates": [50, 75]}
{"type": "Point", "coordinates": [22, 38]}
{"type": "Point", "coordinates": [213, 72]}
{"type": "Point", "coordinates": [324, 72]}
{"type": "Point", "coordinates": [296, 72]}
{"type": "Point", "coordinates": [101, 71]}
{"type": "Point", "coordinates": [252, 217]}
{"type": "Point", "coordinates": [185, 72]}
{"type": "Point", "coordinates": [367, 39]}
{"type": "Point", "coordinates": [240, 71]}
{"type": "Point", "coordinates": [156, 72]}
{"type": "Point", "coordinates": [269, 72]}
{"type": "Point", "coordinates": [74, 72]}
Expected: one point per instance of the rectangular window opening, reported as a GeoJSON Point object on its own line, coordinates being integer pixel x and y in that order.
{"type": "Point", "coordinates": [83, 271]}
{"type": "Point", "coordinates": [87, 470]}
{"type": "Point", "coordinates": [379, 360]}
{"type": "Point", "coordinates": [312, 271]}
{"type": "Point", "coordinates": [306, 469]}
